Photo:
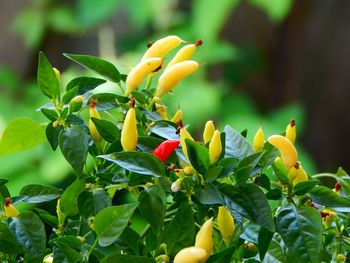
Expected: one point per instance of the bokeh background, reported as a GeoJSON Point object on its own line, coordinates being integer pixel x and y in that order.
{"type": "Point", "coordinates": [263, 61]}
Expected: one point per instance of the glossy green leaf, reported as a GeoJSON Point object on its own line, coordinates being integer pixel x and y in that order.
{"type": "Point", "coordinates": [180, 232]}
{"type": "Point", "coordinates": [107, 130]}
{"type": "Point", "coordinates": [322, 195]}
{"type": "Point", "coordinates": [138, 162]}
{"type": "Point", "coordinates": [118, 258]}
{"type": "Point", "coordinates": [264, 240]}
{"type": "Point", "coordinates": [84, 84]}
{"type": "Point", "coordinates": [198, 155]}
{"type": "Point", "coordinates": [47, 80]}
{"type": "Point", "coordinates": [209, 195]}
{"type": "Point", "coordinates": [213, 173]}
{"type": "Point", "coordinates": [73, 143]}
{"type": "Point", "coordinates": [8, 242]}
{"type": "Point", "coordinates": [69, 95]}
{"type": "Point", "coordinates": [47, 217]}
{"type": "Point", "coordinates": [50, 114]}
{"type": "Point", "coordinates": [304, 187]}
{"type": "Point", "coordinates": [236, 145]}
{"type": "Point", "coordinates": [129, 242]}
{"type": "Point", "coordinates": [36, 193]}
{"type": "Point", "coordinates": [69, 199]}
{"type": "Point", "coordinates": [166, 130]}
{"type": "Point", "coordinates": [21, 134]}
{"type": "Point", "coordinates": [110, 222]}
{"type": "Point", "coordinates": [153, 206]}
{"type": "Point", "coordinates": [52, 135]}
{"type": "Point", "coordinates": [29, 231]}
{"type": "Point", "coordinates": [98, 65]}
{"type": "Point", "coordinates": [275, 253]}
{"type": "Point", "coordinates": [90, 203]}
{"type": "Point", "coordinates": [280, 171]}
{"type": "Point", "coordinates": [223, 256]}
{"type": "Point", "coordinates": [301, 231]}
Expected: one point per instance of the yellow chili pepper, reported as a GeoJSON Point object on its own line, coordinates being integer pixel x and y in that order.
{"type": "Point", "coordinates": [177, 116]}
{"type": "Point", "coordinates": [95, 135]}
{"type": "Point", "coordinates": [215, 147]}
{"type": "Point", "coordinates": [161, 47]}
{"type": "Point", "coordinates": [226, 224]}
{"type": "Point", "coordinates": [129, 133]}
{"type": "Point", "coordinates": [171, 77]}
{"type": "Point", "coordinates": [76, 103]}
{"type": "Point", "coordinates": [297, 174]}
{"type": "Point", "coordinates": [259, 140]}
{"type": "Point", "coordinates": [140, 72]}
{"type": "Point", "coordinates": [9, 209]}
{"type": "Point", "coordinates": [291, 131]}
{"type": "Point", "coordinates": [191, 255]}
{"type": "Point", "coordinates": [61, 216]}
{"type": "Point", "coordinates": [57, 73]}
{"type": "Point", "coordinates": [176, 186]}
{"type": "Point", "coordinates": [208, 131]}
{"type": "Point", "coordinates": [48, 258]}
{"type": "Point", "coordinates": [328, 217]}
{"type": "Point", "coordinates": [184, 134]}
{"type": "Point", "coordinates": [204, 237]}
{"type": "Point", "coordinates": [162, 110]}
{"type": "Point", "coordinates": [184, 53]}
{"type": "Point", "coordinates": [288, 152]}
{"type": "Point", "coordinates": [189, 170]}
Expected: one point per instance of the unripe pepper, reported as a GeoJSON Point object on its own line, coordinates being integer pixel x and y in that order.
{"type": "Point", "coordinates": [177, 116]}
{"type": "Point", "coordinates": [95, 135]}
{"type": "Point", "coordinates": [337, 188]}
{"type": "Point", "coordinates": [204, 237]}
{"type": "Point", "coordinates": [226, 224]}
{"type": "Point", "coordinates": [161, 47]}
{"type": "Point", "coordinates": [140, 72]}
{"type": "Point", "coordinates": [288, 152]}
{"type": "Point", "coordinates": [291, 131]}
{"type": "Point", "coordinates": [328, 217]}
{"type": "Point", "coordinates": [48, 258]}
{"type": "Point", "coordinates": [171, 77]}
{"type": "Point", "coordinates": [184, 53]}
{"type": "Point", "coordinates": [57, 73]}
{"type": "Point", "coordinates": [259, 140]}
{"type": "Point", "coordinates": [191, 255]}
{"type": "Point", "coordinates": [215, 147]}
{"type": "Point", "coordinates": [9, 209]}
{"type": "Point", "coordinates": [208, 131]}
{"type": "Point", "coordinates": [297, 174]}
{"type": "Point", "coordinates": [60, 215]}
{"type": "Point", "coordinates": [162, 110]}
{"type": "Point", "coordinates": [184, 134]}
{"type": "Point", "coordinates": [165, 149]}
{"type": "Point", "coordinates": [76, 103]}
{"type": "Point", "coordinates": [176, 186]}
{"type": "Point", "coordinates": [129, 133]}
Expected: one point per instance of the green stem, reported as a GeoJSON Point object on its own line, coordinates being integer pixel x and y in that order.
{"type": "Point", "coordinates": [145, 230]}
{"type": "Point", "coordinates": [92, 248]}
{"type": "Point", "coordinates": [149, 81]}
{"type": "Point", "coordinates": [121, 88]}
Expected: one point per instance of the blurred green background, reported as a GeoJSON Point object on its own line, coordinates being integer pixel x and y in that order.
{"type": "Point", "coordinates": [263, 61]}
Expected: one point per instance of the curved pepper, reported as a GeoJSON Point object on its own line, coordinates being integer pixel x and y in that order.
{"type": "Point", "coordinates": [191, 255]}
{"type": "Point", "coordinates": [259, 139]}
{"type": "Point", "coordinates": [184, 53]}
{"type": "Point", "coordinates": [215, 147]}
{"type": "Point", "coordinates": [177, 116]}
{"type": "Point", "coordinates": [57, 73]}
{"type": "Point", "coordinates": [291, 131]}
{"type": "Point", "coordinates": [204, 237]}
{"type": "Point", "coordinates": [171, 77]}
{"type": "Point", "coordinates": [208, 131]}
{"type": "Point", "coordinates": [165, 149]}
{"type": "Point", "coordinates": [95, 135]}
{"type": "Point", "coordinates": [184, 134]}
{"type": "Point", "coordinates": [140, 72]}
{"type": "Point", "coordinates": [226, 224]}
{"type": "Point", "coordinates": [129, 135]}
{"type": "Point", "coordinates": [9, 209]}
{"type": "Point", "coordinates": [297, 174]}
{"type": "Point", "coordinates": [288, 152]}
{"type": "Point", "coordinates": [161, 47]}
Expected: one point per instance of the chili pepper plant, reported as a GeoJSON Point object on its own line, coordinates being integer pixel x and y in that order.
{"type": "Point", "coordinates": [146, 190]}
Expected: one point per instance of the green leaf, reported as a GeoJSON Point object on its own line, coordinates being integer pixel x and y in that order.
{"type": "Point", "coordinates": [118, 258]}
{"type": "Point", "coordinates": [52, 135]}
{"type": "Point", "coordinates": [98, 65]}
{"type": "Point", "coordinates": [209, 195]}
{"type": "Point", "coordinates": [47, 217]}
{"type": "Point", "coordinates": [275, 253]}
{"type": "Point", "coordinates": [243, 174]}
{"type": "Point", "coordinates": [180, 232]}
{"type": "Point", "coordinates": [322, 195]}
{"type": "Point", "coordinates": [69, 95]}
{"type": "Point", "coordinates": [90, 203]}
{"type": "Point", "coordinates": [110, 222]}
{"type": "Point", "coordinates": [274, 194]}
{"type": "Point", "coordinates": [74, 142]}
{"type": "Point", "coordinates": [50, 114]}
{"type": "Point", "coordinates": [71, 241]}
{"type": "Point", "coordinates": [153, 206]}
{"type": "Point", "coordinates": [107, 130]}
{"type": "Point", "coordinates": [280, 171]}
{"type": "Point", "coordinates": [129, 242]}
{"type": "Point", "coordinates": [138, 162]}
{"type": "Point", "coordinates": [236, 145]}
{"type": "Point", "coordinates": [36, 193]}
{"type": "Point", "coordinates": [69, 199]}
{"type": "Point", "coordinates": [8, 242]}
{"type": "Point", "coordinates": [264, 240]}
{"type": "Point", "coordinates": [29, 231]}
{"type": "Point", "coordinates": [47, 80]}
{"type": "Point", "coordinates": [213, 173]}
{"type": "Point", "coordinates": [223, 256]}
{"type": "Point", "coordinates": [301, 231]}
{"type": "Point", "coordinates": [260, 206]}
{"type": "Point", "coordinates": [198, 155]}
{"type": "Point", "coordinates": [84, 84]}
{"type": "Point", "coordinates": [21, 134]}
{"type": "Point", "coordinates": [165, 129]}
{"type": "Point", "coordinates": [304, 187]}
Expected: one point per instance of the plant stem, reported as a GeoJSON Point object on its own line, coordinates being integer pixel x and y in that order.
{"type": "Point", "coordinates": [92, 248]}
{"type": "Point", "coordinates": [144, 232]}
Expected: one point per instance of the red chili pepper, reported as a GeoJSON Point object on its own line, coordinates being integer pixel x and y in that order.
{"type": "Point", "coordinates": [166, 148]}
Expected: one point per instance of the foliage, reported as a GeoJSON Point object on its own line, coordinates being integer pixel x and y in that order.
{"type": "Point", "coordinates": [133, 206]}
